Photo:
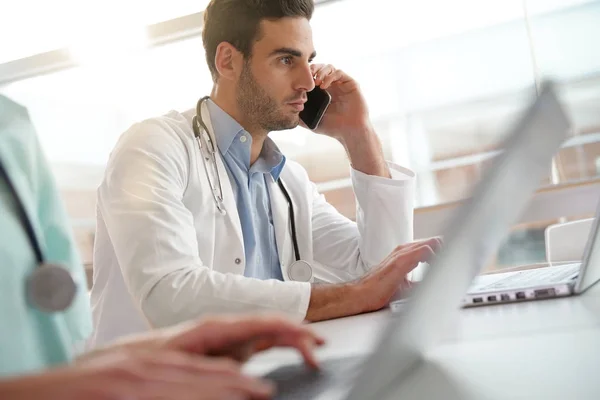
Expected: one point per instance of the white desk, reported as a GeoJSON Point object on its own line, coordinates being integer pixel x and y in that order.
{"type": "Point", "coordinates": [546, 349]}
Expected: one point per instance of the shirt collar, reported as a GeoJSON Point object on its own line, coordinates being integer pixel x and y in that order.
{"type": "Point", "coordinates": [226, 129]}
{"type": "Point", "coordinates": [273, 158]}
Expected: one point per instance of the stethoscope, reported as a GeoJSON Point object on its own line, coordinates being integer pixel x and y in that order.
{"type": "Point", "coordinates": [300, 270]}
{"type": "Point", "coordinates": [50, 287]}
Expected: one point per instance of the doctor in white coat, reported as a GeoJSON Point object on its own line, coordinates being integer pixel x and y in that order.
{"type": "Point", "coordinates": [183, 232]}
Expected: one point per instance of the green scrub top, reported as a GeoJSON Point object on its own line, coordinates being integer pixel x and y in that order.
{"type": "Point", "coordinates": [32, 340]}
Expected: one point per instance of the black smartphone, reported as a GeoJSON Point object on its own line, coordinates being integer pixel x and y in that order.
{"type": "Point", "coordinates": [315, 107]}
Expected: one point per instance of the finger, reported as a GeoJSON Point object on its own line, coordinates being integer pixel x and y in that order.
{"type": "Point", "coordinates": [239, 352]}
{"type": "Point", "coordinates": [433, 242]}
{"type": "Point", "coordinates": [314, 68]}
{"type": "Point", "coordinates": [409, 246]}
{"type": "Point", "coordinates": [306, 347]}
{"type": "Point", "coordinates": [406, 262]}
{"type": "Point", "coordinates": [193, 364]}
{"type": "Point", "coordinates": [423, 253]}
{"type": "Point", "coordinates": [216, 334]}
{"type": "Point", "coordinates": [331, 78]}
{"type": "Point", "coordinates": [254, 328]}
{"type": "Point", "coordinates": [440, 241]}
{"type": "Point", "coordinates": [249, 387]}
{"type": "Point", "coordinates": [322, 73]}
{"type": "Point", "coordinates": [303, 343]}
{"type": "Point", "coordinates": [400, 251]}
{"type": "Point", "coordinates": [205, 387]}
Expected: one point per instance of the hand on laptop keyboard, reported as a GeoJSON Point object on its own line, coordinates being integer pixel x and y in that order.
{"type": "Point", "coordinates": [239, 338]}
{"type": "Point", "coordinates": [383, 283]}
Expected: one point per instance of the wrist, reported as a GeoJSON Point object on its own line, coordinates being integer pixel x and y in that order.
{"type": "Point", "coordinates": [357, 135]}
{"type": "Point", "coordinates": [135, 343]}
{"type": "Point", "coordinates": [365, 152]}
{"type": "Point", "coordinates": [358, 296]}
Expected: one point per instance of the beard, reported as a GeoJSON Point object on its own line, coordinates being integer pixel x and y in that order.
{"type": "Point", "coordinates": [259, 108]}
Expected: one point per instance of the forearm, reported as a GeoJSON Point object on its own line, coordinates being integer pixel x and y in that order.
{"type": "Point", "coordinates": [364, 150]}
{"type": "Point", "coordinates": [200, 292]}
{"type": "Point", "coordinates": [140, 342]}
{"type": "Point", "coordinates": [328, 301]}
{"type": "Point", "coordinates": [49, 385]}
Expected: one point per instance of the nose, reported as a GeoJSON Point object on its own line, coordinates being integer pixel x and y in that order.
{"type": "Point", "coordinates": [305, 81]}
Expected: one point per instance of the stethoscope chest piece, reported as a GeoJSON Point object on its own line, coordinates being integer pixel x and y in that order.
{"type": "Point", "coordinates": [51, 288]}
{"type": "Point", "coordinates": [300, 271]}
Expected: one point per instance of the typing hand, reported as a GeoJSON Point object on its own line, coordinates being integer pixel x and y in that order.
{"type": "Point", "coordinates": [141, 375]}
{"type": "Point", "coordinates": [241, 337]}
{"type": "Point", "coordinates": [381, 284]}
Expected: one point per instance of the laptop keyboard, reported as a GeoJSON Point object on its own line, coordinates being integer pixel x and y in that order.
{"type": "Point", "coordinates": [533, 277]}
{"type": "Point", "coordinates": [300, 382]}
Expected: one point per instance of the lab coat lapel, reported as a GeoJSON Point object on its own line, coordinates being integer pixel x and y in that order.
{"type": "Point", "coordinates": [228, 197]}
{"type": "Point", "coordinates": [281, 223]}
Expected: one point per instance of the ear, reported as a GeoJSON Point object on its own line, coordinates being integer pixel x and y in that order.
{"type": "Point", "coordinates": [228, 61]}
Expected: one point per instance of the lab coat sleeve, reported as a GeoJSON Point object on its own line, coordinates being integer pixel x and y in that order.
{"type": "Point", "coordinates": [384, 220]}
{"type": "Point", "coordinates": [154, 238]}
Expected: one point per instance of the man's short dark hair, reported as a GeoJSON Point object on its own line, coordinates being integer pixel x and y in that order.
{"type": "Point", "coordinates": [237, 22]}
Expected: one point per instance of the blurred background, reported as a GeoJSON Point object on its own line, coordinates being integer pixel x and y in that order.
{"type": "Point", "coordinates": [443, 80]}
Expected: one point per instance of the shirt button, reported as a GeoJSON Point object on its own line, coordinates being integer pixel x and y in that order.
{"type": "Point", "coordinates": [243, 139]}
{"type": "Point", "coordinates": [238, 261]}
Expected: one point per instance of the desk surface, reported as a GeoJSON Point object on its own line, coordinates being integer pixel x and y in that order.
{"type": "Point", "coordinates": [546, 349]}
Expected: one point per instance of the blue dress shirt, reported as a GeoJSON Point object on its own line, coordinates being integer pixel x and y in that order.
{"type": "Point", "coordinates": [249, 184]}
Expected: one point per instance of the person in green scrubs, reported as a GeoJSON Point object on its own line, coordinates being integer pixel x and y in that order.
{"type": "Point", "coordinates": [200, 360]}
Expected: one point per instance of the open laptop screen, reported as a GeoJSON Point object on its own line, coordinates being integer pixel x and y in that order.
{"type": "Point", "coordinates": [590, 267]}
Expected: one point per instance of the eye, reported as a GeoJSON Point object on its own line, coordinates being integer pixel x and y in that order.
{"type": "Point", "coordinates": [287, 60]}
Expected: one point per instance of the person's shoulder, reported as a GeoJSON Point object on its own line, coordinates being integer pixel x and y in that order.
{"type": "Point", "coordinates": [19, 146]}
{"type": "Point", "coordinates": [11, 111]}
{"type": "Point", "coordinates": [16, 128]}
{"type": "Point", "coordinates": [168, 129]}
{"type": "Point", "coordinates": [173, 122]}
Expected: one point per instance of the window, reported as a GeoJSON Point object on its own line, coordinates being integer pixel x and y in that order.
{"type": "Point", "coordinates": [443, 81]}
{"type": "Point", "coordinates": [64, 23]}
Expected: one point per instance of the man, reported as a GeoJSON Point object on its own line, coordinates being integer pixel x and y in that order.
{"type": "Point", "coordinates": [200, 360]}
{"type": "Point", "coordinates": [181, 233]}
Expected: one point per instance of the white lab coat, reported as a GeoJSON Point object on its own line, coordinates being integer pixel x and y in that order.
{"type": "Point", "coordinates": [163, 253]}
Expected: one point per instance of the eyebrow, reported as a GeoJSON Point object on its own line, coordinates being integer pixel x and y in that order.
{"type": "Point", "coordinates": [292, 52]}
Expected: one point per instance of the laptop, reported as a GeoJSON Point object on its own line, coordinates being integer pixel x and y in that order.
{"type": "Point", "coordinates": [540, 283]}
{"type": "Point", "coordinates": [472, 237]}
{"type": "Point", "coordinates": [562, 280]}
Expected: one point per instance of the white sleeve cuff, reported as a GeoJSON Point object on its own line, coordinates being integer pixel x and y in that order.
{"type": "Point", "coordinates": [400, 177]}
{"type": "Point", "coordinates": [304, 299]}
{"type": "Point", "coordinates": [384, 211]}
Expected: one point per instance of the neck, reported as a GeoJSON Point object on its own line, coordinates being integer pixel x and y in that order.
{"type": "Point", "coordinates": [227, 102]}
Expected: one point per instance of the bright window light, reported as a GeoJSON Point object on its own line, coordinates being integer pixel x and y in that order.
{"type": "Point", "coordinates": [29, 27]}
